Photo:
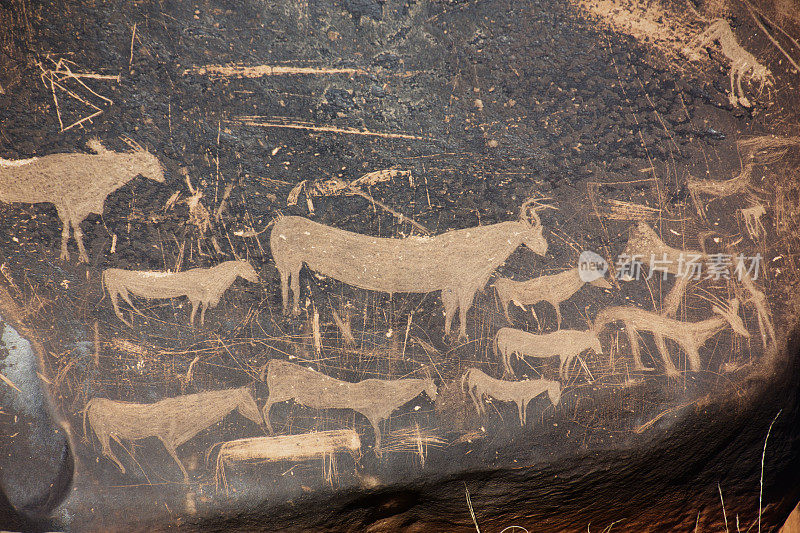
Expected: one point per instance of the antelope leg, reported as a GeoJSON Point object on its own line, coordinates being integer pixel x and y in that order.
{"type": "Point", "coordinates": [174, 454]}
{"type": "Point", "coordinates": [62, 214]}
{"type": "Point", "coordinates": [83, 257]}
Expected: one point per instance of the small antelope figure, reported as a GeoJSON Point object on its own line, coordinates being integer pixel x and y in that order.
{"type": "Point", "coordinates": [741, 60]}
{"type": "Point", "coordinates": [76, 184]}
{"type": "Point", "coordinates": [553, 289]}
{"type": "Point", "coordinates": [173, 420]}
{"type": "Point", "coordinates": [566, 344]}
{"type": "Point", "coordinates": [458, 263]}
{"type": "Point", "coordinates": [376, 399]}
{"type": "Point", "coordinates": [739, 184]}
{"type": "Point", "coordinates": [479, 385]}
{"type": "Point", "coordinates": [203, 286]}
{"type": "Point", "coordinates": [688, 335]}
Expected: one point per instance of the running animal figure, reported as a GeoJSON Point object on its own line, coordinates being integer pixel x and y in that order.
{"type": "Point", "coordinates": [566, 344]}
{"type": "Point", "coordinates": [478, 385]}
{"type": "Point", "coordinates": [741, 60]}
{"type": "Point", "coordinates": [457, 262]}
{"type": "Point", "coordinates": [688, 335]}
{"type": "Point", "coordinates": [376, 399]}
{"type": "Point", "coordinates": [203, 286]}
{"type": "Point", "coordinates": [173, 420]}
{"type": "Point", "coordinates": [553, 289]}
{"type": "Point", "coordinates": [76, 184]}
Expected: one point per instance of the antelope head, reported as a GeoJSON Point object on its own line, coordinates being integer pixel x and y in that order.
{"type": "Point", "coordinates": [246, 270]}
{"type": "Point", "coordinates": [144, 162]}
{"type": "Point", "coordinates": [731, 314]}
{"type": "Point", "coordinates": [533, 239]}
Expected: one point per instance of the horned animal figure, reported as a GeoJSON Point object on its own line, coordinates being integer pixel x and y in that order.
{"type": "Point", "coordinates": [566, 344]}
{"type": "Point", "coordinates": [478, 385]}
{"type": "Point", "coordinates": [646, 246]}
{"type": "Point", "coordinates": [741, 60]}
{"type": "Point", "coordinates": [688, 335]}
{"type": "Point", "coordinates": [739, 184]}
{"type": "Point", "coordinates": [553, 289]}
{"type": "Point", "coordinates": [173, 420]}
{"type": "Point", "coordinates": [458, 263]}
{"type": "Point", "coordinates": [302, 447]}
{"type": "Point", "coordinates": [76, 184]}
{"type": "Point", "coordinates": [376, 399]}
{"type": "Point", "coordinates": [758, 300]}
{"type": "Point", "coordinates": [203, 286]}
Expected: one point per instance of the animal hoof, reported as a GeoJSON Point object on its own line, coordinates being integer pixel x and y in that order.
{"type": "Point", "coordinates": [65, 256]}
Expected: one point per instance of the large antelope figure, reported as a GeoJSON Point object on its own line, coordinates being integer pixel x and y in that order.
{"type": "Point", "coordinates": [565, 343]}
{"type": "Point", "coordinates": [173, 420]}
{"type": "Point", "coordinates": [478, 385]}
{"type": "Point", "coordinates": [688, 335]}
{"type": "Point", "coordinates": [76, 184]}
{"type": "Point", "coordinates": [203, 286]}
{"type": "Point", "coordinates": [554, 289]}
{"type": "Point", "coordinates": [376, 399]}
{"type": "Point", "coordinates": [646, 246]}
{"type": "Point", "coordinates": [458, 263]}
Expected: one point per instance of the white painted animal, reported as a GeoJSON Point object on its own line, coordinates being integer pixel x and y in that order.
{"type": "Point", "coordinates": [76, 184]}
{"type": "Point", "coordinates": [688, 335]}
{"type": "Point", "coordinates": [203, 286]}
{"type": "Point", "coordinates": [566, 344]}
{"type": "Point", "coordinates": [554, 289]}
{"type": "Point", "coordinates": [479, 385]}
{"type": "Point", "coordinates": [458, 263]}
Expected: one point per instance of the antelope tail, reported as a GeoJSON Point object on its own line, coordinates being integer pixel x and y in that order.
{"type": "Point", "coordinates": [85, 411]}
{"type": "Point", "coordinates": [464, 380]}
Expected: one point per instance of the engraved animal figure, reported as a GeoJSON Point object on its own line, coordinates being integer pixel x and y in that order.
{"type": "Point", "coordinates": [688, 335]}
{"type": "Point", "coordinates": [376, 399]}
{"type": "Point", "coordinates": [742, 61]}
{"type": "Point", "coordinates": [645, 244]}
{"type": "Point", "coordinates": [553, 289]}
{"type": "Point", "coordinates": [458, 263]}
{"type": "Point", "coordinates": [203, 286]}
{"type": "Point", "coordinates": [76, 184]}
{"type": "Point", "coordinates": [752, 220]}
{"type": "Point", "coordinates": [173, 420]}
{"type": "Point", "coordinates": [303, 447]}
{"type": "Point", "coordinates": [479, 385]}
{"type": "Point", "coordinates": [758, 299]}
{"type": "Point", "coordinates": [565, 343]}
{"type": "Point", "coordinates": [739, 184]}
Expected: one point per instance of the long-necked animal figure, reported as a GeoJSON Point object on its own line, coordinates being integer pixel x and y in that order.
{"type": "Point", "coordinates": [478, 385]}
{"type": "Point", "coordinates": [376, 399]}
{"type": "Point", "coordinates": [76, 184]}
{"type": "Point", "coordinates": [203, 286]}
{"type": "Point", "coordinates": [645, 245]}
{"type": "Point", "coordinates": [565, 343]}
{"type": "Point", "coordinates": [688, 335]}
{"type": "Point", "coordinates": [739, 184]}
{"type": "Point", "coordinates": [554, 289]}
{"type": "Point", "coordinates": [173, 420]}
{"type": "Point", "coordinates": [741, 60]}
{"type": "Point", "coordinates": [457, 262]}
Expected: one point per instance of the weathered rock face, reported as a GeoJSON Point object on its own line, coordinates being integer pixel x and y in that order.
{"type": "Point", "coordinates": [399, 266]}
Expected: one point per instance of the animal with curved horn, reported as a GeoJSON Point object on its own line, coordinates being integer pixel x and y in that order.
{"type": "Point", "coordinates": [458, 263]}
{"type": "Point", "coordinates": [76, 184]}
